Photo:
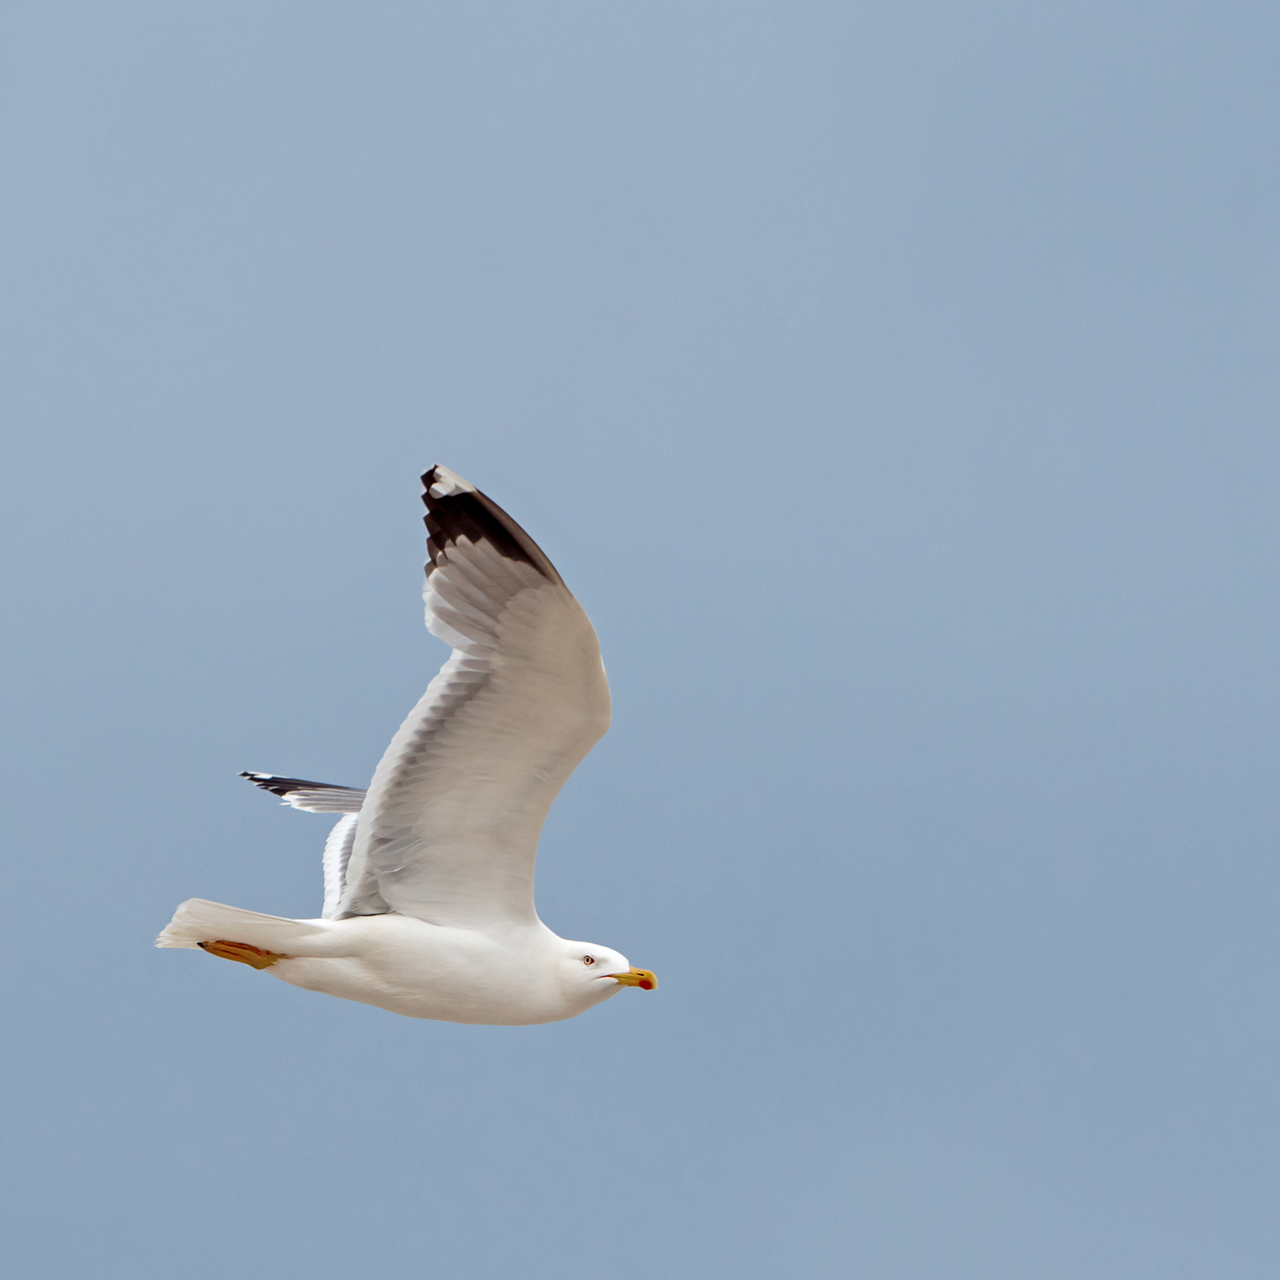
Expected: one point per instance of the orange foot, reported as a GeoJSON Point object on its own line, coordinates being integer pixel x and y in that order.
{"type": "Point", "coordinates": [243, 953]}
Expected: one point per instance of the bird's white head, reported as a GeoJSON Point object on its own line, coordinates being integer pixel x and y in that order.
{"type": "Point", "coordinates": [594, 972]}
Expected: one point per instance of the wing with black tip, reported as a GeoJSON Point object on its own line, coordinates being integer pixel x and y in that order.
{"type": "Point", "coordinates": [322, 797]}
{"type": "Point", "coordinates": [313, 797]}
{"type": "Point", "coordinates": [449, 829]}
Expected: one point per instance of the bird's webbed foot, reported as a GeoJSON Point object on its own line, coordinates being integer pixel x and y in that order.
{"type": "Point", "coordinates": [242, 953]}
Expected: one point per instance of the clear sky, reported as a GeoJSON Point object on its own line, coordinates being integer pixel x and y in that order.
{"type": "Point", "coordinates": [895, 384]}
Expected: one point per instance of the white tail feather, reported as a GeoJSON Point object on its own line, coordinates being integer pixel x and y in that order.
{"type": "Point", "coordinates": [198, 920]}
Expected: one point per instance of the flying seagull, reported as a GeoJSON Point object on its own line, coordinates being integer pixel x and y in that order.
{"type": "Point", "coordinates": [428, 875]}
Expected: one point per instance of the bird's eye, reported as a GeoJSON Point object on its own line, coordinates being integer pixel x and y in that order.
{"type": "Point", "coordinates": [588, 959]}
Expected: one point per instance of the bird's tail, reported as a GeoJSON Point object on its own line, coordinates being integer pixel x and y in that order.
{"type": "Point", "coordinates": [197, 920]}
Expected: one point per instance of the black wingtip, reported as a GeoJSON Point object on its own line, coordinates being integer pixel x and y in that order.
{"type": "Point", "coordinates": [457, 509]}
{"type": "Point", "coordinates": [267, 781]}
{"type": "Point", "coordinates": [283, 786]}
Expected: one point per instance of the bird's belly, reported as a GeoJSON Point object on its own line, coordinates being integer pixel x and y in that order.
{"type": "Point", "coordinates": [423, 975]}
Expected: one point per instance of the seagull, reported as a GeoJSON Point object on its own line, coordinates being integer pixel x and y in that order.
{"type": "Point", "coordinates": [428, 875]}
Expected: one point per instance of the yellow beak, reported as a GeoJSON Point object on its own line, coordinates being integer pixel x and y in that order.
{"type": "Point", "coordinates": [641, 978]}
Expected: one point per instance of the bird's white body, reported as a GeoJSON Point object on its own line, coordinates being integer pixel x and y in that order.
{"type": "Point", "coordinates": [514, 975]}
{"type": "Point", "coordinates": [514, 978]}
{"type": "Point", "coordinates": [428, 908]}
{"type": "Point", "coordinates": [424, 970]}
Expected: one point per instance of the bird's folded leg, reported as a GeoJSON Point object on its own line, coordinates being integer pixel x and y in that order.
{"type": "Point", "coordinates": [242, 953]}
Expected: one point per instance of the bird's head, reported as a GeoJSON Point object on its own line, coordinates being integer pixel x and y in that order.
{"type": "Point", "coordinates": [600, 971]}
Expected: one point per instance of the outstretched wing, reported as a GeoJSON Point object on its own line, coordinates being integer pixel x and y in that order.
{"type": "Point", "coordinates": [314, 797]}
{"type": "Point", "coordinates": [322, 797]}
{"type": "Point", "coordinates": [449, 829]}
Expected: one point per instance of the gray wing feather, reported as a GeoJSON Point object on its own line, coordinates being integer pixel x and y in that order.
{"type": "Point", "coordinates": [337, 854]}
{"type": "Point", "coordinates": [449, 830]}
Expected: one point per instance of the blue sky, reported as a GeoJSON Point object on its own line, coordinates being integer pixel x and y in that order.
{"type": "Point", "coordinates": [895, 384]}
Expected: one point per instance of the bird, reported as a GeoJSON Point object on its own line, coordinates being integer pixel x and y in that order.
{"type": "Point", "coordinates": [429, 873]}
